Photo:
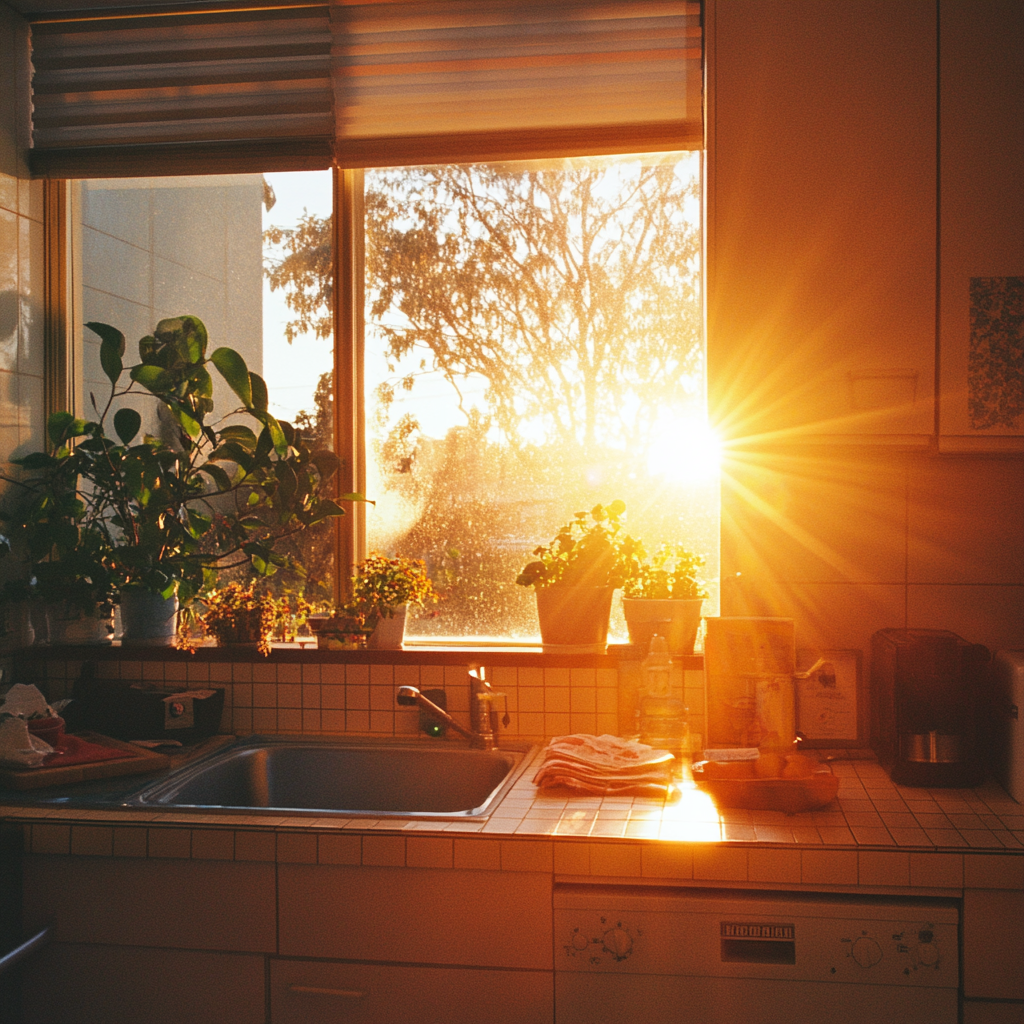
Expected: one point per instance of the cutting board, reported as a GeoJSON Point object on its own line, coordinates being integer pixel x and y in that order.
{"type": "Point", "coordinates": [136, 761]}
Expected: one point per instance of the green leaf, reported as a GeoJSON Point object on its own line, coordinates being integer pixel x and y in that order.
{"type": "Point", "coordinates": [258, 388]}
{"type": "Point", "coordinates": [242, 435]}
{"type": "Point", "coordinates": [276, 434]}
{"type": "Point", "coordinates": [327, 464]}
{"type": "Point", "coordinates": [233, 369]}
{"type": "Point", "coordinates": [111, 349]}
{"type": "Point", "coordinates": [326, 508]}
{"type": "Point", "coordinates": [127, 423]}
{"type": "Point", "coordinates": [57, 424]}
{"type": "Point", "coordinates": [217, 475]}
{"type": "Point", "coordinates": [188, 424]}
{"type": "Point", "coordinates": [152, 377]}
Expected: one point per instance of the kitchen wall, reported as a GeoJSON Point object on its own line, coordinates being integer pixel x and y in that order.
{"type": "Point", "coordinates": [865, 163]}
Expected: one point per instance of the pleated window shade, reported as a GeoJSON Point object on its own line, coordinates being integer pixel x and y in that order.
{"type": "Point", "coordinates": [383, 83]}
{"type": "Point", "coordinates": [443, 81]}
{"type": "Point", "coordinates": [171, 94]}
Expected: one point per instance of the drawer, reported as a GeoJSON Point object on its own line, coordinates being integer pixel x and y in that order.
{"type": "Point", "coordinates": [318, 992]}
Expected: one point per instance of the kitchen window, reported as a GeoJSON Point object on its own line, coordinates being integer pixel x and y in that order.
{"type": "Point", "coordinates": [528, 343]}
{"type": "Point", "coordinates": [479, 420]}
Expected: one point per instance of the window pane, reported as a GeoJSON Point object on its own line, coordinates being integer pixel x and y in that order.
{"type": "Point", "coordinates": [533, 348]}
{"type": "Point", "coordinates": [225, 248]}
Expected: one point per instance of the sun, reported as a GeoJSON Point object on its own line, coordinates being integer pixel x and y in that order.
{"type": "Point", "coordinates": [684, 449]}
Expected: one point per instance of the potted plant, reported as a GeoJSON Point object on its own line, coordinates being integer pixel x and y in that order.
{"type": "Point", "coordinates": [173, 512]}
{"type": "Point", "coordinates": [240, 616]}
{"type": "Point", "coordinates": [663, 595]}
{"type": "Point", "coordinates": [63, 554]}
{"type": "Point", "coordinates": [575, 576]}
{"type": "Point", "coordinates": [382, 590]}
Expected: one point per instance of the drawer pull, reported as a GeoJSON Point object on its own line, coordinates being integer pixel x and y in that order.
{"type": "Point", "coordinates": [315, 990]}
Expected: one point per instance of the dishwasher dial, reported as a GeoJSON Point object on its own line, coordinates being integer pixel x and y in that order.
{"type": "Point", "coordinates": [618, 942]}
{"type": "Point", "coordinates": [866, 951]}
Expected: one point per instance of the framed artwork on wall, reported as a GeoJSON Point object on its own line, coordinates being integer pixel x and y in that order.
{"type": "Point", "coordinates": [832, 705]}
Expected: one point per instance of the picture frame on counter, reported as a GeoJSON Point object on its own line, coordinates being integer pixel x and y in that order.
{"type": "Point", "coordinates": [832, 708]}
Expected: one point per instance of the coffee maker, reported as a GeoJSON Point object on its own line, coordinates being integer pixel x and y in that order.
{"type": "Point", "coordinates": [927, 702]}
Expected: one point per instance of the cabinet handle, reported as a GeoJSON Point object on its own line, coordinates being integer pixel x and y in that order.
{"type": "Point", "coordinates": [315, 990]}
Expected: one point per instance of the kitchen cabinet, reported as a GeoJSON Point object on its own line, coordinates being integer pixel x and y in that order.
{"type": "Point", "coordinates": [310, 992]}
{"type": "Point", "coordinates": [993, 944]}
{"type": "Point", "coordinates": [821, 230]}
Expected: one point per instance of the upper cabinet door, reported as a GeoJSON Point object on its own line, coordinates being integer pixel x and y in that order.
{"type": "Point", "coordinates": [821, 219]}
{"type": "Point", "coordinates": [982, 215]}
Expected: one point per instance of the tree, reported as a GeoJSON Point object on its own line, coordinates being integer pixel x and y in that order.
{"type": "Point", "coordinates": [571, 292]}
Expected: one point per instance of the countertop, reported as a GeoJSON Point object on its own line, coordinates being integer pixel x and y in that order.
{"type": "Point", "coordinates": [870, 811]}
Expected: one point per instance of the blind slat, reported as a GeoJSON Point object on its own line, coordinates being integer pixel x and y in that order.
{"type": "Point", "coordinates": [386, 83]}
{"type": "Point", "coordinates": [532, 70]}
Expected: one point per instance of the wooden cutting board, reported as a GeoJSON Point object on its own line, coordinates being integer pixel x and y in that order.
{"type": "Point", "coordinates": [136, 761]}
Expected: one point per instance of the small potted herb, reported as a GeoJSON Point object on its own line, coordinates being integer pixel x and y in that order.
{"type": "Point", "coordinates": [663, 595]}
{"type": "Point", "coordinates": [575, 576]}
{"type": "Point", "coordinates": [382, 590]}
{"type": "Point", "coordinates": [240, 616]}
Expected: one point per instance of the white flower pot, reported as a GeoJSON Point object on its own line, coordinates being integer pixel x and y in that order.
{"type": "Point", "coordinates": [675, 619]}
{"type": "Point", "coordinates": [389, 634]}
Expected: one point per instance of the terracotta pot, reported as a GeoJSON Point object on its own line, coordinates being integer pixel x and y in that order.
{"type": "Point", "coordinates": [675, 619]}
{"type": "Point", "coordinates": [389, 634]}
{"type": "Point", "coordinates": [244, 633]}
{"type": "Point", "coordinates": [49, 730]}
{"type": "Point", "coordinates": [574, 616]}
{"type": "Point", "coordinates": [148, 618]}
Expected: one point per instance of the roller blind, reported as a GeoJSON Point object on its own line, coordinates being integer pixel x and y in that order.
{"type": "Point", "coordinates": [228, 91]}
{"type": "Point", "coordinates": [365, 84]}
{"type": "Point", "coordinates": [488, 79]}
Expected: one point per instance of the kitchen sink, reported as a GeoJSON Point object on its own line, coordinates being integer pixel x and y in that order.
{"type": "Point", "coordinates": [365, 778]}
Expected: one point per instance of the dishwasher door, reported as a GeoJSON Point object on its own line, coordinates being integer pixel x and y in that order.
{"type": "Point", "coordinates": [718, 957]}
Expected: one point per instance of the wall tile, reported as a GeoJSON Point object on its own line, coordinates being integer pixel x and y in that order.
{"type": "Point", "coordinates": [989, 615]}
{"type": "Point", "coordinates": [54, 839]}
{"type": "Point", "coordinates": [764, 865]}
{"type": "Point", "coordinates": [170, 843]}
{"type": "Point", "coordinates": [213, 844]}
{"type": "Point", "coordinates": [719, 863]}
{"type": "Point", "coordinates": [289, 719]}
{"type": "Point", "coordinates": [526, 855]}
{"type": "Point", "coordinates": [615, 859]}
{"type": "Point", "coordinates": [829, 867]}
{"type": "Point", "coordinates": [988, 871]}
{"type": "Point", "coordinates": [129, 842]}
{"type": "Point", "coordinates": [92, 841]}
{"type": "Point", "coordinates": [428, 852]}
{"type": "Point", "coordinates": [310, 673]}
{"type": "Point", "coordinates": [289, 673]}
{"type": "Point", "coordinates": [384, 851]}
{"type": "Point", "coordinates": [882, 868]}
{"type": "Point", "coordinates": [477, 854]}
{"type": "Point", "coordinates": [342, 849]}
{"type": "Point", "coordinates": [332, 721]}
{"type": "Point", "coordinates": [814, 519]}
{"type": "Point", "coordinates": [296, 848]}
{"type": "Point", "coordinates": [937, 870]}
{"type": "Point", "coordinates": [667, 860]}
{"type": "Point", "coordinates": [966, 518]}
{"type": "Point", "coordinates": [255, 846]}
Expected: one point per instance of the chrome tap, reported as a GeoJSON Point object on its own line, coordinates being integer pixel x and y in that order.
{"type": "Point", "coordinates": [483, 734]}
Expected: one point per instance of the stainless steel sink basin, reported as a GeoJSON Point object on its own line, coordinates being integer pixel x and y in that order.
{"type": "Point", "coordinates": [367, 778]}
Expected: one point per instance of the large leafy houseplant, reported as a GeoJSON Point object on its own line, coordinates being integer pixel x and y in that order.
{"type": "Point", "coordinates": [165, 514]}
{"type": "Point", "coordinates": [575, 576]}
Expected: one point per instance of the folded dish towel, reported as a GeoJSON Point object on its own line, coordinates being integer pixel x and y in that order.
{"type": "Point", "coordinates": [604, 766]}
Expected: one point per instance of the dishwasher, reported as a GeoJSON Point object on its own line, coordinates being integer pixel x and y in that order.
{"type": "Point", "coordinates": [721, 956]}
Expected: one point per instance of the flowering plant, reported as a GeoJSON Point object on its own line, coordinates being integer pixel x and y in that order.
{"type": "Point", "coordinates": [239, 615]}
{"type": "Point", "coordinates": [382, 584]}
{"type": "Point", "coordinates": [593, 550]}
{"type": "Point", "coordinates": [670, 573]}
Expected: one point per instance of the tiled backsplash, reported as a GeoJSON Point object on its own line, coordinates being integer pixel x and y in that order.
{"type": "Point", "coordinates": [315, 697]}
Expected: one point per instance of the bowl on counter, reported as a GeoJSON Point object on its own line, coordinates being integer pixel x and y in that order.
{"type": "Point", "coordinates": [810, 793]}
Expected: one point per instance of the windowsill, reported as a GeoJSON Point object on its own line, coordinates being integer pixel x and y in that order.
{"type": "Point", "coordinates": [410, 654]}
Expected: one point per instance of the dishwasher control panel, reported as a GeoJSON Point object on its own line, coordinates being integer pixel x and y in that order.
{"type": "Point", "coordinates": [845, 940]}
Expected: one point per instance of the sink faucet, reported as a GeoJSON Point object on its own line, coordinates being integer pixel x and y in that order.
{"type": "Point", "coordinates": [483, 731]}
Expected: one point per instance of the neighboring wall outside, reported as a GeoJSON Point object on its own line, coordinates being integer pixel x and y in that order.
{"type": "Point", "coordinates": [21, 258]}
{"type": "Point", "coordinates": [865, 162]}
